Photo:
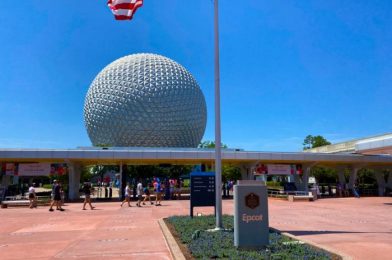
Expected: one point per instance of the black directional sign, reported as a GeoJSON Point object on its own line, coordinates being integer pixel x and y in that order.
{"type": "Point", "coordinates": [202, 189]}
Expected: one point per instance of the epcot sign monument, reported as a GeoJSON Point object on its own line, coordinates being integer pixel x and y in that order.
{"type": "Point", "coordinates": [145, 100]}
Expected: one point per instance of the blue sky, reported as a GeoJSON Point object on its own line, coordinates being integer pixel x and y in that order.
{"type": "Point", "coordinates": [288, 68]}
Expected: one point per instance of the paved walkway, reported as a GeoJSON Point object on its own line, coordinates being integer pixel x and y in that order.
{"type": "Point", "coordinates": [361, 228]}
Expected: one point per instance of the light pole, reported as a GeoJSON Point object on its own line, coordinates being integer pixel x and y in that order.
{"type": "Point", "coordinates": [218, 159]}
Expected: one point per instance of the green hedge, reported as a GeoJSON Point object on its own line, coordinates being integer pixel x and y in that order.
{"type": "Point", "coordinates": [274, 184]}
{"type": "Point", "coordinates": [47, 186]}
{"type": "Point", "coordinates": [220, 245]}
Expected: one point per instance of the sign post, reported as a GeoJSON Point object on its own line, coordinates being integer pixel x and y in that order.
{"type": "Point", "coordinates": [251, 230]}
{"type": "Point", "coordinates": [202, 189]}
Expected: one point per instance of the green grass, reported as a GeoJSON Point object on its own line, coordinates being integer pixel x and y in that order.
{"type": "Point", "coordinates": [47, 186]}
{"type": "Point", "coordinates": [274, 184]}
{"type": "Point", "coordinates": [220, 245]}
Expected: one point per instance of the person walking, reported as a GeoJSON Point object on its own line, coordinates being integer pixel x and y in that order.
{"type": "Point", "coordinates": [147, 196]}
{"type": "Point", "coordinates": [32, 197]}
{"type": "Point", "coordinates": [171, 185]}
{"type": "Point", "coordinates": [52, 195]}
{"type": "Point", "coordinates": [57, 197]}
{"type": "Point", "coordinates": [177, 190]}
{"type": "Point", "coordinates": [224, 188]}
{"type": "Point", "coordinates": [127, 194]}
{"type": "Point", "coordinates": [355, 191]}
{"type": "Point", "coordinates": [158, 192]}
{"type": "Point", "coordinates": [87, 195]}
{"type": "Point", "coordinates": [62, 195]}
{"type": "Point", "coordinates": [340, 189]}
{"type": "Point", "coordinates": [139, 192]}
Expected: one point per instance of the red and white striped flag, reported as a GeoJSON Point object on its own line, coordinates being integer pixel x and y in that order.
{"type": "Point", "coordinates": [124, 9]}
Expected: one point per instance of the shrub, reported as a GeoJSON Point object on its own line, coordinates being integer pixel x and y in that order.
{"type": "Point", "coordinates": [207, 245]}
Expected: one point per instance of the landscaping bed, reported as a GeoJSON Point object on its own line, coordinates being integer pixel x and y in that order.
{"type": "Point", "coordinates": [196, 243]}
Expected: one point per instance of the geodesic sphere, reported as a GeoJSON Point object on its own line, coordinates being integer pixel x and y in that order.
{"type": "Point", "coordinates": [145, 100]}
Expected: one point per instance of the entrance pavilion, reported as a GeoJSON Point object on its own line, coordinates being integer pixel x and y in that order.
{"type": "Point", "coordinates": [246, 160]}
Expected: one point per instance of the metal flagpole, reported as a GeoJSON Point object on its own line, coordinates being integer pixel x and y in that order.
{"type": "Point", "coordinates": [218, 162]}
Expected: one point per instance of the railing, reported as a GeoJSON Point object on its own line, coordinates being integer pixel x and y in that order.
{"type": "Point", "coordinates": [16, 197]}
{"type": "Point", "coordinates": [285, 194]}
{"type": "Point", "coordinates": [26, 197]}
{"type": "Point", "coordinates": [280, 192]}
{"type": "Point", "coordinates": [368, 192]}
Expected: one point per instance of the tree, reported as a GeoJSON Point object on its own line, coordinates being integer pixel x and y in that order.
{"type": "Point", "coordinates": [324, 175]}
{"type": "Point", "coordinates": [229, 172]}
{"type": "Point", "coordinates": [307, 142]}
{"type": "Point", "coordinates": [314, 141]}
{"type": "Point", "coordinates": [319, 141]}
{"type": "Point", "coordinates": [209, 144]}
{"type": "Point", "coordinates": [97, 170]}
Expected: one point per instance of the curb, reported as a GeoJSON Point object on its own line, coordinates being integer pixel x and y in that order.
{"type": "Point", "coordinates": [313, 244]}
{"type": "Point", "coordinates": [174, 249]}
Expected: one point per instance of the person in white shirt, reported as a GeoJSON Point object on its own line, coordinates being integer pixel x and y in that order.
{"type": "Point", "coordinates": [127, 193]}
{"type": "Point", "coordinates": [32, 197]}
{"type": "Point", "coordinates": [139, 192]}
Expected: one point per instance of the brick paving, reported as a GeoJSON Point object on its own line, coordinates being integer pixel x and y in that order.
{"type": "Point", "coordinates": [361, 228]}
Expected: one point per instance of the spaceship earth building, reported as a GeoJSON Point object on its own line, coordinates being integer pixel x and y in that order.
{"type": "Point", "coordinates": [145, 100]}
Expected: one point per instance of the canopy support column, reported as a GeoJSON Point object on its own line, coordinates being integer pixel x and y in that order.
{"type": "Point", "coordinates": [75, 171]}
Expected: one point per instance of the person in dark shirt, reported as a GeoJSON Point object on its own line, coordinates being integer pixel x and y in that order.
{"type": "Point", "coordinates": [146, 191]}
{"type": "Point", "coordinates": [57, 197]}
{"type": "Point", "coordinates": [87, 195]}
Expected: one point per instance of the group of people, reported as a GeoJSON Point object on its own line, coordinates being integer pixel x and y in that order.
{"type": "Point", "coordinates": [56, 196]}
{"type": "Point", "coordinates": [343, 190]}
{"type": "Point", "coordinates": [140, 190]}
{"type": "Point", "coordinates": [159, 187]}
{"type": "Point", "coordinates": [175, 188]}
{"type": "Point", "coordinates": [227, 187]}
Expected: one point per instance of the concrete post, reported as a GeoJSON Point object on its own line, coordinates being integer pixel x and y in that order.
{"type": "Point", "coordinates": [340, 189]}
{"type": "Point", "coordinates": [305, 178]}
{"type": "Point", "coordinates": [245, 172]}
{"type": "Point", "coordinates": [251, 176]}
{"type": "Point", "coordinates": [389, 182]}
{"type": "Point", "coordinates": [297, 181]}
{"type": "Point", "coordinates": [5, 181]}
{"type": "Point", "coordinates": [353, 176]}
{"type": "Point", "coordinates": [340, 170]}
{"type": "Point", "coordinates": [120, 192]}
{"type": "Point", "coordinates": [75, 171]}
{"type": "Point", "coordinates": [123, 177]}
{"type": "Point", "coordinates": [379, 175]}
